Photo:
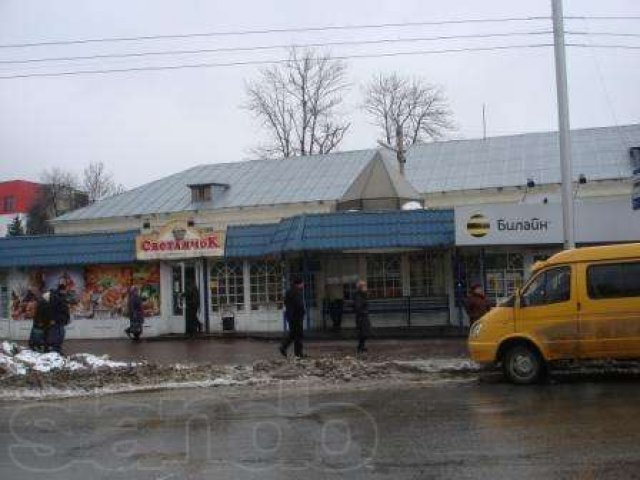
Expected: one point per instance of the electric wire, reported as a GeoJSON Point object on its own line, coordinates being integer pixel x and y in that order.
{"type": "Point", "coordinates": [272, 47]}
{"type": "Point", "coordinates": [271, 31]}
{"type": "Point", "coordinates": [268, 62]}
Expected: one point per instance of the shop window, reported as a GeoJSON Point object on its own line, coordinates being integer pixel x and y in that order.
{"type": "Point", "coordinates": [226, 280]}
{"type": "Point", "coordinates": [615, 280]}
{"type": "Point", "coordinates": [176, 290]}
{"type": "Point", "coordinates": [504, 274]}
{"type": "Point", "coordinates": [265, 279]}
{"type": "Point", "coordinates": [384, 278]}
{"type": "Point", "coordinates": [427, 274]}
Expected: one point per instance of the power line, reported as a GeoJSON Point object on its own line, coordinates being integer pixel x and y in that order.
{"type": "Point", "coordinates": [605, 34]}
{"type": "Point", "coordinates": [593, 17]}
{"type": "Point", "coordinates": [589, 45]}
{"type": "Point", "coordinates": [271, 47]}
{"type": "Point", "coordinates": [267, 62]}
{"type": "Point", "coordinates": [272, 30]}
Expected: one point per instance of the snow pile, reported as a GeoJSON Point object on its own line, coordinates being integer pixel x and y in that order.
{"type": "Point", "coordinates": [438, 365]}
{"type": "Point", "coordinates": [15, 360]}
{"type": "Point", "coordinates": [100, 362]}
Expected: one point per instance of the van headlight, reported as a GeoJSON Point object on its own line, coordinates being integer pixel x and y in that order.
{"type": "Point", "coordinates": [476, 328]}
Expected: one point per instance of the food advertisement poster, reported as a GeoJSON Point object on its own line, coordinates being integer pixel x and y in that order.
{"type": "Point", "coordinates": [94, 292]}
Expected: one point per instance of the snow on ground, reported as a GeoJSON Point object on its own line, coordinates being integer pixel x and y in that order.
{"type": "Point", "coordinates": [15, 360]}
{"type": "Point", "coordinates": [25, 374]}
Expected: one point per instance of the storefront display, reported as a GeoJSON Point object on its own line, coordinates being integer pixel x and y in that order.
{"type": "Point", "coordinates": [94, 292]}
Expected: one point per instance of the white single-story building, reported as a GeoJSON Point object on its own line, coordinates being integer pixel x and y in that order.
{"type": "Point", "coordinates": [479, 211]}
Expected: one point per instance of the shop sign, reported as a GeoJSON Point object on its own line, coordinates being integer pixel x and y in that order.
{"type": "Point", "coordinates": [508, 225]}
{"type": "Point", "coordinates": [596, 221]}
{"type": "Point", "coordinates": [177, 240]}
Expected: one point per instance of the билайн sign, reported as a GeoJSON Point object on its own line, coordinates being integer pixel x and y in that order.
{"type": "Point", "coordinates": [508, 225]}
{"type": "Point", "coordinates": [176, 240]}
{"type": "Point", "coordinates": [596, 221]}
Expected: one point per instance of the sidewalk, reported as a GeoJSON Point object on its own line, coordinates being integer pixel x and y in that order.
{"type": "Point", "coordinates": [220, 351]}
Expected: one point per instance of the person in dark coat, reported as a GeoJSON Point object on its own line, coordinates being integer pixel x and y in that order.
{"type": "Point", "coordinates": [361, 308]}
{"type": "Point", "coordinates": [41, 323]}
{"type": "Point", "coordinates": [136, 314]}
{"type": "Point", "coordinates": [192, 307]}
{"type": "Point", "coordinates": [294, 314]}
{"type": "Point", "coordinates": [61, 317]}
{"type": "Point", "coordinates": [476, 304]}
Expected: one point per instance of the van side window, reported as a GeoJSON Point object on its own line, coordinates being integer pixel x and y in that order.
{"type": "Point", "coordinates": [551, 286]}
{"type": "Point", "coordinates": [613, 280]}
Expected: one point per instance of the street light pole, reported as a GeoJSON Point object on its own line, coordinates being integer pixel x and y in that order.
{"type": "Point", "coordinates": [563, 124]}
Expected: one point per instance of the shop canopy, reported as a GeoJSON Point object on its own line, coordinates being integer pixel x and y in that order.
{"type": "Point", "coordinates": [343, 231]}
{"type": "Point", "coordinates": [58, 250]}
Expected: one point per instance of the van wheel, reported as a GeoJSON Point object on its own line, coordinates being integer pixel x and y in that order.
{"type": "Point", "coordinates": [523, 365]}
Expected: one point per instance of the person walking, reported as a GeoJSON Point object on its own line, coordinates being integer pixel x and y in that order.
{"type": "Point", "coordinates": [294, 314]}
{"type": "Point", "coordinates": [60, 316]}
{"type": "Point", "coordinates": [476, 304]}
{"type": "Point", "coordinates": [136, 314]}
{"type": "Point", "coordinates": [192, 307]}
{"type": "Point", "coordinates": [361, 308]}
{"type": "Point", "coordinates": [41, 324]}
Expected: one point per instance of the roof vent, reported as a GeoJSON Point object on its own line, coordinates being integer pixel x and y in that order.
{"type": "Point", "coordinates": [202, 192]}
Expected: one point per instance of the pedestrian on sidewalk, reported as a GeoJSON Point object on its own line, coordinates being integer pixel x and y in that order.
{"type": "Point", "coordinates": [136, 314]}
{"type": "Point", "coordinates": [476, 304]}
{"type": "Point", "coordinates": [192, 307]}
{"type": "Point", "coordinates": [361, 308]}
{"type": "Point", "coordinates": [41, 323]}
{"type": "Point", "coordinates": [294, 314]}
{"type": "Point", "coordinates": [60, 316]}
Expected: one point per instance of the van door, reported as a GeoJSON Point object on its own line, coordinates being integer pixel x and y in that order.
{"type": "Point", "coordinates": [548, 312]}
{"type": "Point", "coordinates": [610, 310]}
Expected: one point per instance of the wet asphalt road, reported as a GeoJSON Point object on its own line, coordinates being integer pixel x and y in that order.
{"type": "Point", "coordinates": [467, 429]}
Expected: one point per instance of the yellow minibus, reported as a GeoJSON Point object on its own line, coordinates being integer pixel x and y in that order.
{"type": "Point", "coordinates": [579, 304]}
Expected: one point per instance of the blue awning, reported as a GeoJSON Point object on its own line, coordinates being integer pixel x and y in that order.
{"type": "Point", "coordinates": [58, 250]}
{"type": "Point", "coordinates": [344, 231]}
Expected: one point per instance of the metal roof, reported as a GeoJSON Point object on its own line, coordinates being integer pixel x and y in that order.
{"type": "Point", "coordinates": [251, 183]}
{"type": "Point", "coordinates": [598, 153]}
{"type": "Point", "coordinates": [343, 231]}
{"type": "Point", "coordinates": [58, 250]}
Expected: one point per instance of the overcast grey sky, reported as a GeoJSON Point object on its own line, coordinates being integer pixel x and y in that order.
{"type": "Point", "coordinates": [149, 124]}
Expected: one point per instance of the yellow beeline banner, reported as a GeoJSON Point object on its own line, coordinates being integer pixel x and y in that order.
{"type": "Point", "coordinates": [176, 240]}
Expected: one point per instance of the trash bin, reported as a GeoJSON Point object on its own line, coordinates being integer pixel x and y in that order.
{"type": "Point", "coordinates": [228, 323]}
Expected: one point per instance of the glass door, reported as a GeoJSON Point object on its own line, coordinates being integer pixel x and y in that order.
{"type": "Point", "coordinates": [186, 294]}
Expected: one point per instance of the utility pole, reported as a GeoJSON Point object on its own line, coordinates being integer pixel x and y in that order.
{"type": "Point", "coordinates": [563, 124]}
{"type": "Point", "coordinates": [484, 122]}
{"type": "Point", "coordinates": [400, 148]}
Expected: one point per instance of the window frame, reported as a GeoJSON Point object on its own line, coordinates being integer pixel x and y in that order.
{"type": "Point", "coordinates": [266, 284]}
{"type": "Point", "coordinates": [9, 204]}
{"type": "Point", "coordinates": [589, 286]}
{"type": "Point", "coordinates": [384, 282]}
{"type": "Point", "coordinates": [545, 273]}
{"type": "Point", "coordinates": [231, 289]}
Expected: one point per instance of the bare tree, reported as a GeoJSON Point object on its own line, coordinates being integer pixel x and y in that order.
{"type": "Point", "coordinates": [58, 194]}
{"type": "Point", "coordinates": [297, 103]}
{"type": "Point", "coordinates": [98, 183]}
{"type": "Point", "coordinates": [407, 110]}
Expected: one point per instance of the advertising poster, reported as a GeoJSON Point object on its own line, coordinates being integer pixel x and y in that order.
{"type": "Point", "coordinates": [94, 292]}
